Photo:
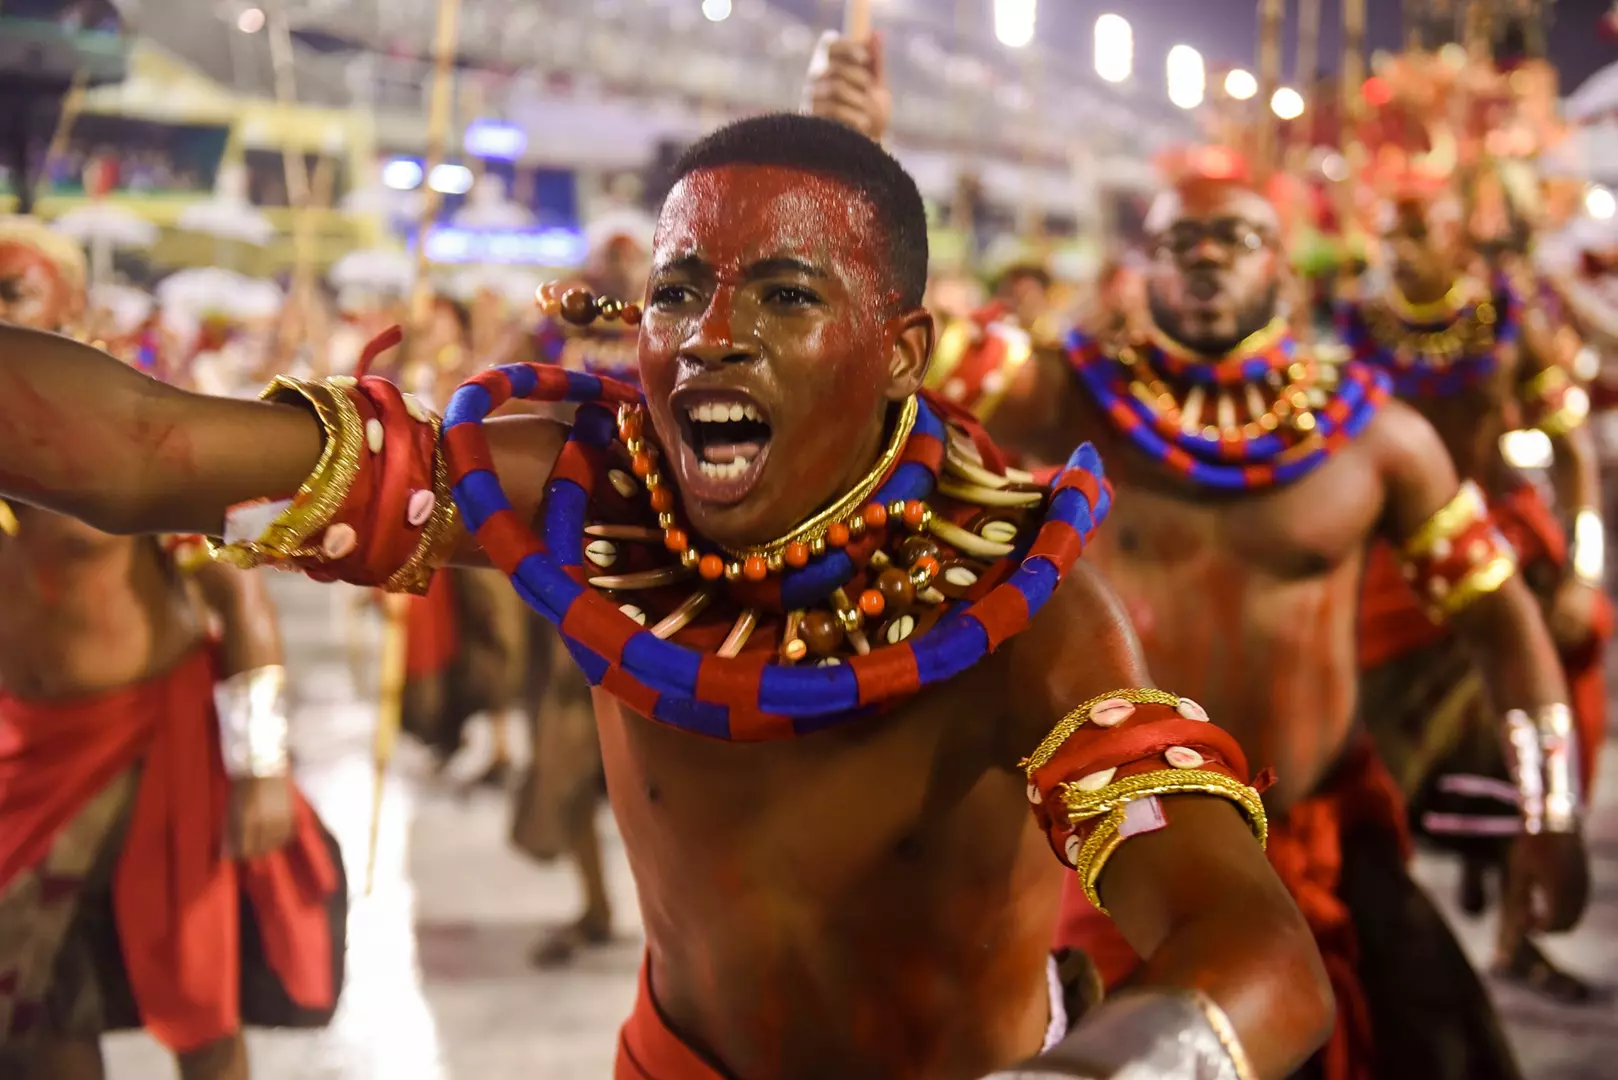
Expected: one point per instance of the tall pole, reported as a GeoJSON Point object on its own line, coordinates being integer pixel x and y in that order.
{"type": "Point", "coordinates": [857, 19]}
{"type": "Point", "coordinates": [1270, 16]}
{"type": "Point", "coordinates": [390, 706]}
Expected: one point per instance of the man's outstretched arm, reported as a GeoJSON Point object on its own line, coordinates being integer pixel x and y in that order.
{"type": "Point", "coordinates": [1148, 801]}
{"type": "Point", "coordinates": [86, 435]}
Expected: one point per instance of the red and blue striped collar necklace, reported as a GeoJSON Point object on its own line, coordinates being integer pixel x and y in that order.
{"type": "Point", "coordinates": [1266, 413]}
{"type": "Point", "coordinates": [1431, 350]}
{"type": "Point", "coordinates": [943, 556]}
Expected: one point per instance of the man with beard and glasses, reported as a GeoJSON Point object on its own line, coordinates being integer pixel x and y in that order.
{"type": "Point", "coordinates": [158, 867]}
{"type": "Point", "coordinates": [854, 685]}
{"type": "Point", "coordinates": [1251, 479]}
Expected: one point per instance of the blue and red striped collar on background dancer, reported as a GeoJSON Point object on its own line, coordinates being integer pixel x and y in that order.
{"type": "Point", "coordinates": [1184, 410]}
{"type": "Point", "coordinates": [1433, 350]}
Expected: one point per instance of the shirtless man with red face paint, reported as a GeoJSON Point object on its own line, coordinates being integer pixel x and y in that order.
{"type": "Point", "coordinates": [855, 686]}
{"type": "Point", "coordinates": [1251, 480]}
{"type": "Point", "coordinates": [133, 751]}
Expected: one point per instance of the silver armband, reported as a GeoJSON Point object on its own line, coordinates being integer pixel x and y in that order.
{"type": "Point", "coordinates": [253, 722]}
{"type": "Point", "coordinates": [1147, 1035]}
{"type": "Point", "coordinates": [1542, 754]}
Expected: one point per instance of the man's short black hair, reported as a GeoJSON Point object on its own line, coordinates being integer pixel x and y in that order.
{"type": "Point", "coordinates": [827, 148]}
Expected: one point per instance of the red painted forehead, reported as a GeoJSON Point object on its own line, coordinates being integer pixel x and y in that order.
{"type": "Point", "coordinates": [735, 216]}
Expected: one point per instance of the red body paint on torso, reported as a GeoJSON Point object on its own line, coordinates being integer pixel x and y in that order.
{"type": "Point", "coordinates": [85, 611]}
{"type": "Point", "coordinates": [873, 902]}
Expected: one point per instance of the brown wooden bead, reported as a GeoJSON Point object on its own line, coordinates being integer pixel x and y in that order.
{"type": "Point", "coordinates": [579, 307]}
{"type": "Point", "coordinates": [896, 589]}
{"type": "Point", "coordinates": [821, 632]}
{"type": "Point", "coordinates": [914, 548]}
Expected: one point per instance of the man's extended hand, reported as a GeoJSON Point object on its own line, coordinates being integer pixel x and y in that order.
{"type": "Point", "coordinates": [259, 819]}
{"type": "Point", "coordinates": [846, 84]}
{"type": "Point", "coordinates": [1555, 869]}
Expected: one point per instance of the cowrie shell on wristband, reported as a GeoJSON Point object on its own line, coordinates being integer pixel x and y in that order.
{"type": "Point", "coordinates": [900, 628]}
{"type": "Point", "coordinates": [602, 552]}
{"type": "Point", "coordinates": [344, 380]}
{"type": "Point", "coordinates": [1073, 845]}
{"type": "Point", "coordinates": [622, 483]}
{"type": "Point", "coordinates": [1033, 794]}
{"type": "Point", "coordinates": [1191, 710]}
{"type": "Point", "coordinates": [961, 577]}
{"type": "Point", "coordinates": [416, 409]}
{"type": "Point", "coordinates": [999, 532]}
{"type": "Point", "coordinates": [634, 613]}
{"type": "Point", "coordinates": [1111, 713]}
{"type": "Point", "coordinates": [420, 507]}
{"type": "Point", "coordinates": [340, 541]}
{"type": "Point", "coordinates": [374, 435]}
{"type": "Point", "coordinates": [1096, 780]}
{"type": "Point", "coordinates": [1183, 757]}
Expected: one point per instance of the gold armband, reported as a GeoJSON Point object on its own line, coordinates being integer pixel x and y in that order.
{"type": "Point", "coordinates": [377, 508]}
{"type": "Point", "coordinates": [1556, 404]}
{"type": "Point", "coordinates": [1458, 555]}
{"type": "Point", "coordinates": [1111, 804]}
{"type": "Point", "coordinates": [1095, 780]}
{"type": "Point", "coordinates": [8, 519]}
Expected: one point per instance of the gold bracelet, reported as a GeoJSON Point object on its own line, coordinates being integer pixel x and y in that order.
{"type": "Point", "coordinates": [1110, 802]}
{"type": "Point", "coordinates": [322, 494]}
{"type": "Point", "coordinates": [439, 537]}
{"type": "Point", "coordinates": [1077, 718]}
{"type": "Point", "coordinates": [1225, 1032]}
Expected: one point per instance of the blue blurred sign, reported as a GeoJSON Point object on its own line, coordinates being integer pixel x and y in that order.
{"type": "Point", "coordinates": [495, 141]}
{"type": "Point", "coordinates": [509, 247]}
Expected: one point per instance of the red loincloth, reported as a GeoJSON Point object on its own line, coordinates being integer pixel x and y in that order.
{"type": "Point", "coordinates": [432, 633]}
{"type": "Point", "coordinates": [176, 902]}
{"type": "Point", "coordinates": [1305, 848]}
{"type": "Point", "coordinates": [649, 1050]}
{"type": "Point", "coordinates": [1392, 622]}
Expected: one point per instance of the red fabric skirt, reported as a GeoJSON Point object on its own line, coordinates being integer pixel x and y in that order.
{"type": "Point", "coordinates": [176, 901]}
{"type": "Point", "coordinates": [649, 1050]}
{"type": "Point", "coordinates": [432, 634]}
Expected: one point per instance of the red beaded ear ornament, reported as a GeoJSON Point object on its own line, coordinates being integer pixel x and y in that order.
{"type": "Point", "coordinates": [581, 307]}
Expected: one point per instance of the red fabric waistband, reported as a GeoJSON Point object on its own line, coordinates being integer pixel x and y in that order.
{"type": "Point", "coordinates": [649, 1050]}
{"type": "Point", "coordinates": [175, 899]}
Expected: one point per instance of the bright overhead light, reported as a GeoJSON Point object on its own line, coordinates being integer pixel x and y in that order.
{"type": "Point", "coordinates": [401, 174]}
{"type": "Point", "coordinates": [1599, 203]}
{"type": "Point", "coordinates": [451, 179]}
{"type": "Point", "coordinates": [1334, 167]}
{"type": "Point", "coordinates": [1287, 103]}
{"type": "Point", "coordinates": [1188, 79]}
{"type": "Point", "coordinates": [716, 10]}
{"type": "Point", "coordinates": [1014, 22]}
{"type": "Point", "coordinates": [1240, 84]}
{"type": "Point", "coordinates": [250, 21]}
{"type": "Point", "coordinates": [1115, 48]}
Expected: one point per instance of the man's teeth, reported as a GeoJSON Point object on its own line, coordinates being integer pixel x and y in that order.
{"type": "Point", "coordinates": [710, 412]}
{"type": "Point", "coordinates": [730, 470]}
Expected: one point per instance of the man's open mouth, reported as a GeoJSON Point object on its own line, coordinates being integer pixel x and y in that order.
{"type": "Point", "coordinates": [726, 441]}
